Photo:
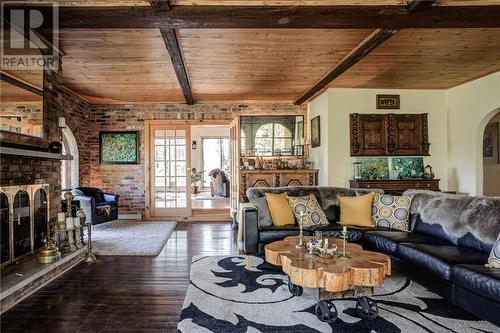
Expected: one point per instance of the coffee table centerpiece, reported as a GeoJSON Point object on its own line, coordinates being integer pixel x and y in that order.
{"type": "Point", "coordinates": [354, 274]}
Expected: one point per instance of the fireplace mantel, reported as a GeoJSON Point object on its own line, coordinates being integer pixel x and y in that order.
{"type": "Point", "coordinates": [33, 154]}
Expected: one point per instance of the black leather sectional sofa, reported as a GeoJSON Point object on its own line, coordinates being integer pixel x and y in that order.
{"type": "Point", "coordinates": [454, 267]}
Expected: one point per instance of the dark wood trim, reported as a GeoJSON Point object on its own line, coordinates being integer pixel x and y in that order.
{"type": "Point", "coordinates": [321, 17]}
{"type": "Point", "coordinates": [364, 48]}
{"type": "Point", "coordinates": [160, 5]}
{"type": "Point", "coordinates": [9, 78]}
{"type": "Point", "coordinates": [415, 6]}
{"type": "Point", "coordinates": [172, 44]}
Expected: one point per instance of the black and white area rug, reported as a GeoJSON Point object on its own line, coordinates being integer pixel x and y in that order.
{"type": "Point", "coordinates": [240, 294]}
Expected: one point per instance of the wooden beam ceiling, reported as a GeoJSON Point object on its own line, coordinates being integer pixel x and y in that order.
{"type": "Point", "coordinates": [415, 6]}
{"type": "Point", "coordinates": [9, 78]}
{"type": "Point", "coordinates": [364, 48]}
{"type": "Point", "coordinates": [160, 5]}
{"type": "Point", "coordinates": [172, 44]}
{"type": "Point", "coordinates": [319, 17]}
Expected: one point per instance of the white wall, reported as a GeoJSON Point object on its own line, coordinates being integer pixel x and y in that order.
{"type": "Point", "coordinates": [470, 107]}
{"type": "Point", "coordinates": [319, 107]}
{"type": "Point", "coordinates": [457, 118]}
{"type": "Point", "coordinates": [342, 102]}
{"type": "Point", "coordinates": [491, 172]}
{"type": "Point", "coordinates": [199, 132]}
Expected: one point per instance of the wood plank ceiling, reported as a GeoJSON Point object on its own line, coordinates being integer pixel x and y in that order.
{"type": "Point", "coordinates": [266, 65]}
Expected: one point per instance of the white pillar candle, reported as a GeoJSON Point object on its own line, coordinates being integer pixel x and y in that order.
{"type": "Point", "coordinates": [344, 229]}
{"type": "Point", "coordinates": [76, 221]}
{"type": "Point", "coordinates": [326, 242]}
{"type": "Point", "coordinates": [69, 223]}
{"type": "Point", "coordinates": [61, 217]}
{"type": "Point", "coordinates": [61, 122]}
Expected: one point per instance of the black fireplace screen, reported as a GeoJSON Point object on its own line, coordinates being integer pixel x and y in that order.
{"type": "Point", "coordinates": [21, 224]}
{"type": "Point", "coordinates": [4, 227]}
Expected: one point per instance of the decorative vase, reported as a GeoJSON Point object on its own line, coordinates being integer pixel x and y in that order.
{"type": "Point", "coordinates": [55, 147]}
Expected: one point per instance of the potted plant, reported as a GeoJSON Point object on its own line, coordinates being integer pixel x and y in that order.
{"type": "Point", "coordinates": [195, 178]}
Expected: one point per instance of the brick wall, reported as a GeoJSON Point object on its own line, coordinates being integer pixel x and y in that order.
{"type": "Point", "coordinates": [129, 180]}
{"type": "Point", "coordinates": [57, 102]}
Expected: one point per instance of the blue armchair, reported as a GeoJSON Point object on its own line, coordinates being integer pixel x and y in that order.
{"type": "Point", "coordinates": [99, 207]}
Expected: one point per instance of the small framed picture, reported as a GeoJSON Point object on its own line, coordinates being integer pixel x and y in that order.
{"type": "Point", "coordinates": [315, 132]}
{"type": "Point", "coordinates": [388, 102]}
{"type": "Point", "coordinates": [119, 147]}
{"type": "Point", "coordinates": [490, 144]}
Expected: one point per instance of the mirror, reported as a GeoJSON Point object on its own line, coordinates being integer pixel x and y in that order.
{"type": "Point", "coordinates": [21, 95]}
{"type": "Point", "coordinates": [272, 135]}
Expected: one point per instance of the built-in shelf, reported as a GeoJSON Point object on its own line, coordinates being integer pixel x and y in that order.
{"type": "Point", "coordinates": [33, 154]}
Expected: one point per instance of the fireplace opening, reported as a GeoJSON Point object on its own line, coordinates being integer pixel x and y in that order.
{"type": "Point", "coordinates": [24, 214]}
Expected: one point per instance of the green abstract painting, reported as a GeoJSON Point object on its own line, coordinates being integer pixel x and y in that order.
{"type": "Point", "coordinates": [408, 167]}
{"type": "Point", "coordinates": [374, 168]}
{"type": "Point", "coordinates": [119, 148]}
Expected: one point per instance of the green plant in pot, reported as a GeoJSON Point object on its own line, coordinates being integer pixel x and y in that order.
{"type": "Point", "coordinates": [195, 178]}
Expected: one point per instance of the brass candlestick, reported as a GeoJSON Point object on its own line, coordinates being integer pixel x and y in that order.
{"type": "Point", "coordinates": [79, 231]}
{"type": "Point", "coordinates": [89, 256]}
{"type": "Point", "coordinates": [344, 243]}
{"type": "Point", "coordinates": [49, 253]}
{"type": "Point", "coordinates": [300, 245]}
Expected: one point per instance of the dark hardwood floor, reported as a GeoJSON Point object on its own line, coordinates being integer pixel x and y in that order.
{"type": "Point", "coordinates": [122, 294]}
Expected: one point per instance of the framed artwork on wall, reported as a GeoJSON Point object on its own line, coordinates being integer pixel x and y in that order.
{"type": "Point", "coordinates": [315, 132]}
{"type": "Point", "coordinates": [490, 144]}
{"type": "Point", "coordinates": [119, 147]}
{"type": "Point", "coordinates": [388, 102]}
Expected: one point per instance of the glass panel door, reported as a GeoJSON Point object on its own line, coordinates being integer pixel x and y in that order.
{"type": "Point", "coordinates": [170, 161]}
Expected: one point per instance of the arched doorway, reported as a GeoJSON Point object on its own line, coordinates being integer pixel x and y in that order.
{"type": "Point", "coordinates": [490, 151]}
{"type": "Point", "coordinates": [69, 168]}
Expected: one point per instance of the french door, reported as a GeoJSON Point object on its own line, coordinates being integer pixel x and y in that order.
{"type": "Point", "coordinates": [170, 172]}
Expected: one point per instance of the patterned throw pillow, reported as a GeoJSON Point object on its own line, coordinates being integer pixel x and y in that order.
{"type": "Point", "coordinates": [262, 211]}
{"type": "Point", "coordinates": [494, 258]}
{"type": "Point", "coordinates": [313, 214]}
{"type": "Point", "coordinates": [391, 211]}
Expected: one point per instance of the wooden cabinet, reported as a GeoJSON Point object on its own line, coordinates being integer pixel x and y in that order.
{"type": "Point", "coordinates": [275, 178]}
{"type": "Point", "coordinates": [396, 186]}
{"type": "Point", "coordinates": [389, 134]}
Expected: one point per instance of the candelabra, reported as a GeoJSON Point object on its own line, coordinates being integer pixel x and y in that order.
{"type": "Point", "coordinates": [300, 245]}
{"type": "Point", "coordinates": [89, 256]}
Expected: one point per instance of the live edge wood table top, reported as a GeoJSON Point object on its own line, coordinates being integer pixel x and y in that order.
{"type": "Point", "coordinates": [361, 268]}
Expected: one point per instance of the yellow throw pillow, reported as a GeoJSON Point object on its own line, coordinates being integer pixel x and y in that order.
{"type": "Point", "coordinates": [357, 211]}
{"type": "Point", "coordinates": [280, 210]}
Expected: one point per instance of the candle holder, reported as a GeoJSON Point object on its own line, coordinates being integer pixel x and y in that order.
{"type": "Point", "coordinates": [49, 253]}
{"type": "Point", "coordinates": [71, 239]}
{"type": "Point", "coordinates": [344, 244]}
{"type": "Point", "coordinates": [89, 256]}
{"type": "Point", "coordinates": [311, 246]}
{"type": "Point", "coordinates": [81, 215]}
{"type": "Point", "coordinates": [63, 237]}
{"type": "Point", "coordinates": [300, 245]}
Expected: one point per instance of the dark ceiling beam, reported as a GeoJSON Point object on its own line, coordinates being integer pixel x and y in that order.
{"type": "Point", "coordinates": [160, 5]}
{"type": "Point", "coordinates": [9, 78]}
{"type": "Point", "coordinates": [172, 44]}
{"type": "Point", "coordinates": [363, 49]}
{"type": "Point", "coordinates": [324, 17]}
{"type": "Point", "coordinates": [415, 6]}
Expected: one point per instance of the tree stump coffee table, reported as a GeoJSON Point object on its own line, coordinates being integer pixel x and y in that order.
{"type": "Point", "coordinates": [330, 278]}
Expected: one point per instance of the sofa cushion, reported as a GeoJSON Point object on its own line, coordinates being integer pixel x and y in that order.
{"type": "Point", "coordinates": [280, 210]}
{"type": "Point", "coordinates": [494, 258]}
{"type": "Point", "coordinates": [435, 230]}
{"type": "Point", "coordinates": [390, 211]}
{"type": "Point", "coordinates": [356, 211]}
{"type": "Point", "coordinates": [93, 192]}
{"type": "Point", "coordinates": [309, 207]}
{"type": "Point", "coordinates": [263, 211]}
{"type": "Point", "coordinates": [335, 230]}
{"type": "Point", "coordinates": [479, 279]}
{"type": "Point", "coordinates": [274, 233]}
{"type": "Point", "coordinates": [439, 259]}
{"type": "Point", "coordinates": [388, 240]}
{"type": "Point", "coordinates": [105, 203]}
{"type": "Point", "coordinates": [471, 242]}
